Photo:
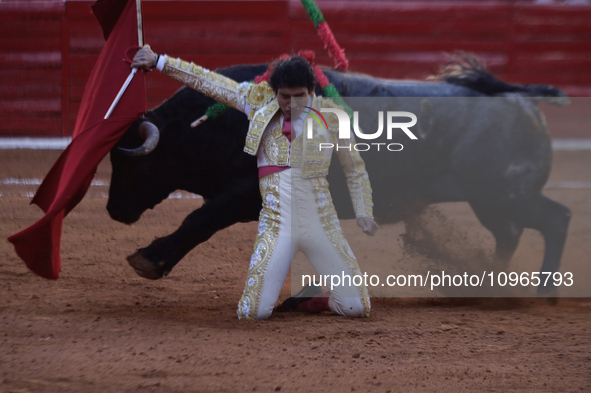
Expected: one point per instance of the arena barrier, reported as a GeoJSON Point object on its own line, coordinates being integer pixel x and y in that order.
{"type": "Point", "coordinates": [47, 49]}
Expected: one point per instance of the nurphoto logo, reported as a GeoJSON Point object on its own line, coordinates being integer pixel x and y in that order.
{"type": "Point", "coordinates": [345, 128]}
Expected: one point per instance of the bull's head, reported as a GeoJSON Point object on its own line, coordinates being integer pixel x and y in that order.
{"type": "Point", "coordinates": [142, 176]}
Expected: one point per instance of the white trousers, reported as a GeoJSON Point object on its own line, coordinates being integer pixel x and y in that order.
{"type": "Point", "coordinates": [298, 214]}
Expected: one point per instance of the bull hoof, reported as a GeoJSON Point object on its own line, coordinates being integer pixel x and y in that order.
{"type": "Point", "coordinates": [145, 268]}
{"type": "Point", "coordinates": [552, 301]}
{"type": "Point", "coordinates": [549, 294]}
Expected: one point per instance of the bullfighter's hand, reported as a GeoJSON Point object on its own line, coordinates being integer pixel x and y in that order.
{"type": "Point", "coordinates": [368, 225]}
{"type": "Point", "coordinates": [144, 58]}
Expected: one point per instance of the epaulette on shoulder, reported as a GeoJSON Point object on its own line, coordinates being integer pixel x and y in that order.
{"type": "Point", "coordinates": [259, 95]}
{"type": "Point", "coordinates": [331, 118]}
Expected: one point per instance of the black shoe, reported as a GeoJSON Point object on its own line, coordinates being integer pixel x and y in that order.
{"type": "Point", "coordinates": [307, 293]}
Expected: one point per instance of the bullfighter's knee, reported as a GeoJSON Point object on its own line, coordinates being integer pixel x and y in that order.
{"type": "Point", "coordinates": [264, 311]}
{"type": "Point", "coordinates": [247, 311]}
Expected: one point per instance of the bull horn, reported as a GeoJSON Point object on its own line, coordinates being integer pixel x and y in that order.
{"type": "Point", "coordinates": [151, 136]}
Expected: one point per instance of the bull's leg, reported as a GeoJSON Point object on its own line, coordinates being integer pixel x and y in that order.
{"type": "Point", "coordinates": [548, 217]}
{"type": "Point", "coordinates": [505, 231]}
{"type": "Point", "coordinates": [158, 259]}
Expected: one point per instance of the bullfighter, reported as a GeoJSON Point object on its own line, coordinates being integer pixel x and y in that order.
{"type": "Point", "coordinates": [297, 212]}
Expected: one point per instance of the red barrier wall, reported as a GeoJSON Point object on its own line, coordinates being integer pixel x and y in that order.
{"type": "Point", "coordinates": [31, 87]}
{"type": "Point", "coordinates": [48, 49]}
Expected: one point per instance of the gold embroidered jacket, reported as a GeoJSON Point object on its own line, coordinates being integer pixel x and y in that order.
{"type": "Point", "coordinates": [265, 139]}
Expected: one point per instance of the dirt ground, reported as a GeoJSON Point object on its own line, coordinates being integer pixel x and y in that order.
{"type": "Point", "coordinates": [101, 328]}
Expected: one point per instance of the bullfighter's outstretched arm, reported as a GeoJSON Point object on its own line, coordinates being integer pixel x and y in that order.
{"type": "Point", "coordinates": [212, 84]}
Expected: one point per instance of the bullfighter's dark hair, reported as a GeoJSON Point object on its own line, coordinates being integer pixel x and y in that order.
{"type": "Point", "coordinates": [292, 72]}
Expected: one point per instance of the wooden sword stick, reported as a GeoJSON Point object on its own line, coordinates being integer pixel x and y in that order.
{"type": "Point", "coordinates": [140, 39]}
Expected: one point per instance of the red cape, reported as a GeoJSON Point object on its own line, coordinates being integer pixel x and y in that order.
{"type": "Point", "coordinates": [68, 180]}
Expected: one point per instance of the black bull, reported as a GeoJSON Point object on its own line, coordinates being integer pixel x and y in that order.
{"type": "Point", "coordinates": [493, 153]}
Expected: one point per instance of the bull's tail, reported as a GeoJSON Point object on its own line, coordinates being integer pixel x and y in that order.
{"type": "Point", "coordinates": [468, 71]}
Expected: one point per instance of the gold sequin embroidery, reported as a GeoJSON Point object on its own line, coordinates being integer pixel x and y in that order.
{"type": "Point", "coordinates": [276, 146]}
{"type": "Point", "coordinates": [212, 84]}
{"type": "Point", "coordinates": [257, 126]}
{"type": "Point", "coordinates": [264, 245]}
{"type": "Point", "coordinates": [295, 155]}
{"type": "Point", "coordinates": [259, 94]}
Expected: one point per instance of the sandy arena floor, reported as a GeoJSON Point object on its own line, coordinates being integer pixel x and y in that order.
{"type": "Point", "coordinates": [101, 328]}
